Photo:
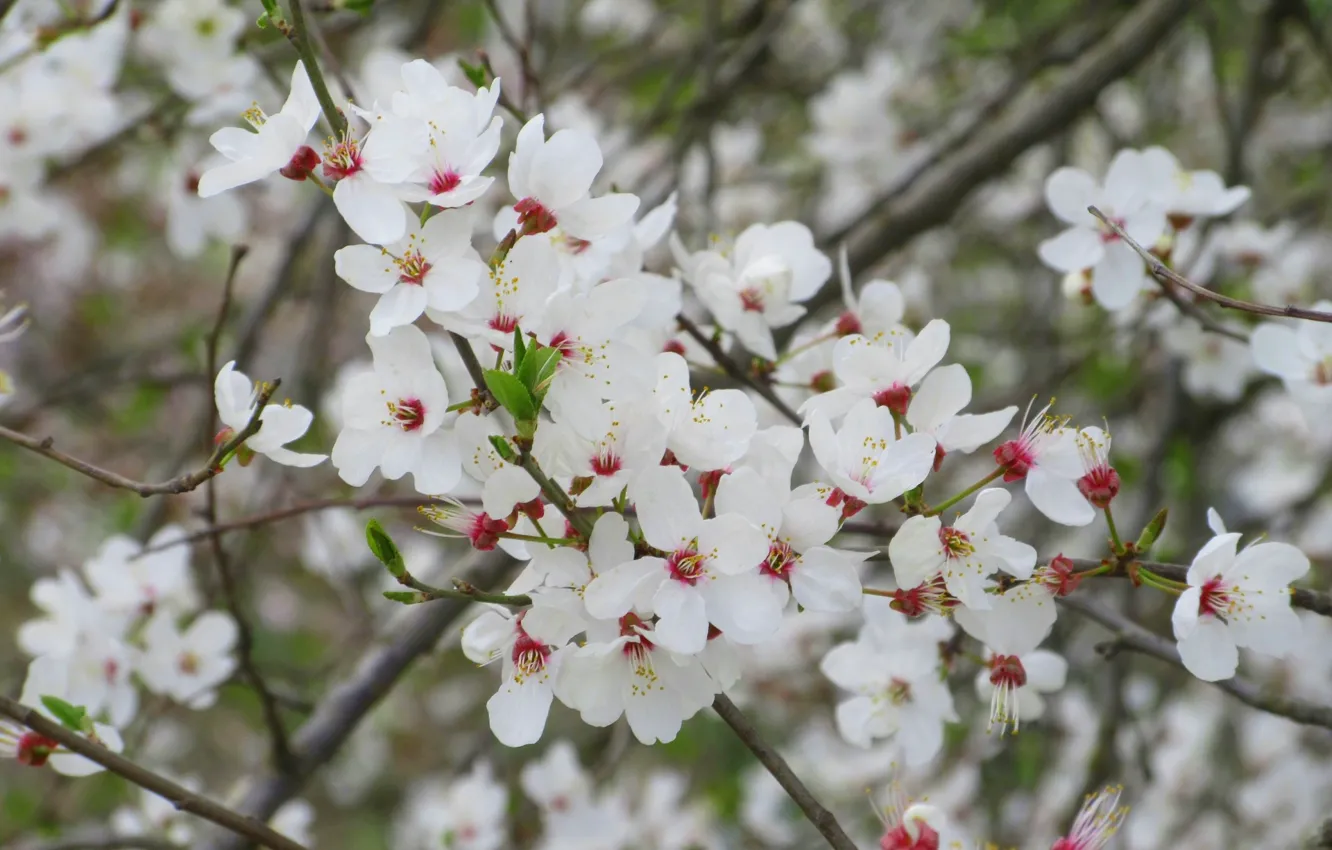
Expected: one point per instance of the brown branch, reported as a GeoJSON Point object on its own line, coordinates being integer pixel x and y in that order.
{"type": "Point", "coordinates": [1166, 276]}
{"type": "Point", "coordinates": [299, 36]}
{"type": "Point", "coordinates": [937, 195]}
{"type": "Point", "coordinates": [1130, 635]}
{"type": "Point", "coordinates": [182, 798]}
{"type": "Point", "coordinates": [180, 484]}
{"type": "Point", "coordinates": [348, 702]}
{"type": "Point", "coordinates": [733, 369]}
{"type": "Point", "coordinates": [823, 820]}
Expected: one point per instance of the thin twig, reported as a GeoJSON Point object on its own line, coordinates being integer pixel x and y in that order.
{"type": "Point", "coordinates": [300, 39]}
{"type": "Point", "coordinates": [1130, 635]}
{"type": "Point", "coordinates": [733, 369]}
{"type": "Point", "coordinates": [462, 590]}
{"type": "Point", "coordinates": [823, 820]}
{"type": "Point", "coordinates": [175, 486]}
{"type": "Point", "coordinates": [182, 798]}
{"type": "Point", "coordinates": [1310, 600]}
{"type": "Point", "coordinates": [1166, 276]}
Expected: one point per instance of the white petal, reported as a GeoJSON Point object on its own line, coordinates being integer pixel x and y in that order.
{"type": "Point", "coordinates": [683, 623]}
{"type": "Point", "coordinates": [564, 167]}
{"type": "Point", "coordinates": [518, 711]}
{"type": "Point", "coordinates": [1068, 192]}
{"type": "Point", "coordinates": [1075, 249]}
{"type": "Point", "coordinates": [597, 218]}
{"type": "Point", "coordinates": [370, 209]}
{"type": "Point", "coordinates": [612, 593]}
{"type": "Point", "coordinates": [1058, 498]}
{"type": "Point", "coordinates": [401, 305]}
{"type": "Point", "coordinates": [1209, 652]}
{"type": "Point", "coordinates": [1276, 350]}
{"type": "Point", "coordinates": [1118, 277]}
{"type": "Point", "coordinates": [942, 394]}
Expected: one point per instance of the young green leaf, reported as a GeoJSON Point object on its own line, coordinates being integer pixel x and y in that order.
{"type": "Point", "coordinates": [406, 597]}
{"type": "Point", "coordinates": [511, 394]}
{"type": "Point", "coordinates": [537, 368]}
{"type": "Point", "coordinates": [475, 74]}
{"type": "Point", "coordinates": [519, 349]}
{"type": "Point", "coordinates": [384, 548]}
{"type": "Point", "coordinates": [72, 717]}
{"type": "Point", "coordinates": [503, 448]}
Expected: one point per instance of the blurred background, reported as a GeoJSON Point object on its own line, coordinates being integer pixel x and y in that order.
{"type": "Point", "coordinates": [917, 135]}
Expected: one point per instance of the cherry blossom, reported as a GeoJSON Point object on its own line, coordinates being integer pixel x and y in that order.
{"type": "Point", "coordinates": [551, 179]}
{"type": "Point", "coordinates": [1187, 195]}
{"type": "Point", "coordinates": [865, 459]}
{"type": "Point", "coordinates": [393, 417]}
{"type": "Point", "coordinates": [1016, 672]}
{"type": "Point", "coordinates": [1300, 356]}
{"type": "Point", "coordinates": [967, 553]}
{"type": "Point", "coordinates": [516, 292]}
{"type": "Point", "coordinates": [1237, 599]}
{"type": "Point", "coordinates": [935, 409]}
{"type": "Point", "coordinates": [709, 430]}
{"type": "Point", "coordinates": [188, 665]}
{"type": "Point", "coordinates": [709, 573]}
{"type": "Point", "coordinates": [1096, 823]}
{"type": "Point", "coordinates": [277, 140]}
{"type": "Point", "coordinates": [910, 825]}
{"type": "Point", "coordinates": [883, 369]}
{"type": "Point", "coordinates": [432, 266]}
{"type": "Point", "coordinates": [1129, 198]}
{"type": "Point", "coordinates": [128, 582]}
{"type": "Point", "coordinates": [49, 677]}
{"type": "Point", "coordinates": [280, 424]}
{"type": "Point", "coordinates": [1046, 457]}
{"type": "Point", "coordinates": [604, 444]}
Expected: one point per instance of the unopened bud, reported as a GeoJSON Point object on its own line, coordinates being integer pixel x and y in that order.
{"type": "Point", "coordinates": [1153, 530]}
{"type": "Point", "coordinates": [304, 161]}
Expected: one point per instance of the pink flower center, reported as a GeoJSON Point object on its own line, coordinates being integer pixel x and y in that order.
{"type": "Point", "coordinates": [751, 299]}
{"type": "Point", "coordinates": [563, 342]}
{"type": "Point", "coordinates": [484, 532]}
{"type": "Point", "coordinates": [574, 245]}
{"type": "Point", "coordinates": [343, 159]}
{"type": "Point", "coordinates": [848, 323]}
{"type": "Point", "coordinates": [503, 323]}
{"type": "Point", "coordinates": [898, 838]}
{"type": "Point", "coordinates": [1059, 577]}
{"type": "Point", "coordinates": [1214, 598]}
{"type": "Point", "coordinates": [674, 346]}
{"type": "Point", "coordinates": [635, 650]}
{"type": "Point", "coordinates": [407, 413]}
{"type": "Point", "coordinates": [533, 217]}
{"type": "Point", "coordinates": [899, 691]}
{"type": "Point", "coordinates": [781, 557]}
{"type": "Point", "coordinates": [606, 462]}
{"type": "Point", "coordinates": [1016, 458]}
{"type": "Point", "coordinates": [823, 381]}
{"type": "Point", "coordinates": [929, 597]}
{"type": "Point", "coordinates": [1006, 671]}
{"type": "Point", "coordinates": [444, 181]}
{"type": "Point", "coordinates": [896, 398]}
{"type": "Point", "coordinates": [188, 662]}
{"type": "Point", "coordinates": [110, 669]}
{"type": "Point", "coordinates": [850, 504]}
{"type": "Point", "coordinates": [412, 268]}
{"type": "Point", "coordinates": [35, 749]}
{"type": "Point", "coordinates": [956, 544]}
{"type": "Point", "coordinates": [686, 565]}
{"type": "Point", "coordinates": [1100, 485]}
{"type": "Point", "coordinates": [529, 654]}
{"type": "Point", "coordinates": [1108, 235]}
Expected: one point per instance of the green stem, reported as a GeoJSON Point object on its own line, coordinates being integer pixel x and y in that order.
{"type": "Point", "coordinates": [1114, 532]}
{"type": "Point", "coordinates": [300, 39]}
{"type": "Point", "coordinates": [948, 503]}
{"type": "Point", "coordinates": [462, 405]}
{"type": "Point", "coordinates": [1151, 579]}
{"type": "Point", "coordinates": [537, 525]}
{"type": "Point", "coordinates": [800, 349]}
{"type": "Point", "coordinates": [874, 591]}
{"type": "Point", "coordinates": [556, 496]}
{"type": "Point", "coordinates": [535, 538]}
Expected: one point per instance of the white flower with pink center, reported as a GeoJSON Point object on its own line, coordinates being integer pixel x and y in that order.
{"type": "Point", "coordinates": [280, 424]}
{"type": "Point", "coordinates": [1046, 456]}
{"type": "Point", "coordinates": [393, 417]}
{"type": "Point", "coordinates": [551, 179]}
{"type": "Point", "coordinates": [708, 431]}
{"type": "Point", "coordinates": [868, 458]}
{"type": "Point", "coordinates": [1096, 823]}
{"type": "Point", "coordinates": [276, 141]}
{"type": "Point", "coordinates": [1128, 198]}
{"type": "Point", "coordinates": [188, 665]}
{"type": "Point", "coordinates": [608, 444]}
{"type": "Point", "coordinates": [798, 563]}
{"type": "Point", "coordinates": [433, 266]}
{"type": "Point", "coordinates": [966, 553]}
{"type": "Point", "coordinates": [514, 294]}
{"type": "Point", "coordinates": [1016, 672]}
{"type": "Point", "coordinates": [531, 644]}
{"type": "Point", "coordinates": [884, 369]}
{"type": "Point", "coordinates": [936, 407]}
{"type": "Point", "coordinates": [1237, 599]}
{"type": "Point", "coordinates": [1301, 356]}
{"type": "Point", "coordinates": [623, 669]}
{"type": "Point", "coordinates": [49, 677]}
{"type": "Point", "coordinates": [706, 575]}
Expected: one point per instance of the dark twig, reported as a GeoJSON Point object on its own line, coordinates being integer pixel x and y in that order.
{"type": "Point", "coordinates": [823, 820]}
{"type": "Point", "coordinates": [348, 702]}
{"type": "Point", "coordinates": [180, 484]}
{"type": "Point", "coordinates": [183, 799]}
{"type": "Point", "coordinates": [300, 39]}
{"type": "Point", "coordinates": [1130, 635]}
{"type": "Point", "coordinates": [733, 369]}
{"type": "Point", "coordinates": [1310, 600]}
{"type": "Point", "coordinates": [1167, 276]}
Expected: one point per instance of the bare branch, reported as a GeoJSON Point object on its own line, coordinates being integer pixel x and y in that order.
{"type": "Point", "coordinates": [1166, 276]}
{"type": "Point", "coordinates": [1130, 635]}
{"type": "Point", "coordinates": [182, 798]}
{"type": "Point", "coordinates": [733, 369]}
{"type": "Point", "coordinates": [823, 820]}
{"type": "Point", "coordinates": [180, 484]}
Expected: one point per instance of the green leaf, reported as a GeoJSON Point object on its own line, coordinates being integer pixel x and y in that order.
{"type": "Point", "coordinates": [537, 368]}
{"type": "Point", "coordinates": [503, 448]}
{"type": "Point", "coordinates": [72, 717]}
{"type": "Point", "coordinates": [262, 22]}
{"type": "Point", "coordinates": [361, 7]}
{"type": "Point", "coordinates": [475, 74]}
{"type": "Point", "coordinates": [511, 394]}
{"type": "Point", "coordinates": [519, 349]}
{"type": "Point", "coordinates": [385, 549]}
{"type": "Point", "coordinates": [406, 597]}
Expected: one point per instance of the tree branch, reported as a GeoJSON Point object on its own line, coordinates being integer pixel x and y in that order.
{"type": "Point", "coordinates": [1165, 276]}
{"type": "Point", "coordinates": [347, 703]}
{"type": "Point", "coordinates": [823, 820]}
{"type": "Point", "coordinates": [1311, 600]}
{"type": "Point", "coordinates": [733, 369]}
{"type": "Point", "coordinates": [300, 39]}
{"type": "Point", "coordinates": [1130, 635]}
{"type": "Point", "coordinates": [182, 798]}
{"type": "Point", "coordinates": [180, 484]}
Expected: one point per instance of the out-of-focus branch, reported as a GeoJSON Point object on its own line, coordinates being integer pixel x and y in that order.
{"type": "Point", "coordinates": [823, 820]}
{"type": "Point", "coordinates": [180, 484]}
{"type": "Point", "coordinates": [1166, 276]}
{"type": "Point", "coordinates": [1130, 635]}
{"type": "Point", "coordinates": [937, 194]}
{"type": "Point", "coordinates": [347, 703]}
{"type": "Point", "coordinates": [734, 369]}
{"type": "Point", "coordinates": [184, 800]}
{"type": "Point", "coordinates": [97, 842]}
{"type": "Point", "coordinates": [300, 39]}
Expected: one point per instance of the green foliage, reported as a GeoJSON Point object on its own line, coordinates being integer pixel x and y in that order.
{"type": "Point", "coordinates": [512, 395]}
{"type": "Point", "coordinates": [538, 368]}
{"type": "Point", "coordinates": [383, 548]}
{"type": "Point", "coordinates": [72, 717]}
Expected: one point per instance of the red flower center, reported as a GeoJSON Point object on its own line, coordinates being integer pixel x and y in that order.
{"type": "Point", "coordinates": [686, 566]}
{"type": "Point", "coordinates": [412, 268]}
{"type": "Point", "coordinates": [781, 557]}
{"type": "Point", "coordinates": [1016, 459]}
{"type": "Point", "coordinates": [850, 504]}
{"type": "Point", "coordinates": [1108, 235]}
{"type": "Point", "coordinates": [751, 299]}
{"type": "Point", "coordinates": [343, 159]}
{"type": "Point", "coordinates": [533, 217]}
{"type": "Point", "coordinates": [898, 838]}
{"type": "Point", "coordinates": [1007, 670]}
{"type": "Point", "coordinates": [407, 413]}
{"type": "Point", "coordinates": [35, 749]}
{"type": "Point", "coordinates": [529, 654]}
{"type": "Point", "coordinates": [444, 181]}
{"type": "Point", "coordinates": [301, 164]}
{"type": "Point", "coordinates": [848, 323]}
{"type": "Point", "coordinates": [896, 398]}
{"type": "Point", "coordinates": [606, 462]}
{"type": "Point", "coordinates": [1215, 598]}
{"type": "Point", "coordinates": [484, 532]}
{"type": "Point", "coordinates": [503, 323]}
{"type": "Point", "coordinates": [1100, 485]}
{"type": "Point", "coordinates": [956, 544]}
{"type": "Point", "coordinates": [674, 346]}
